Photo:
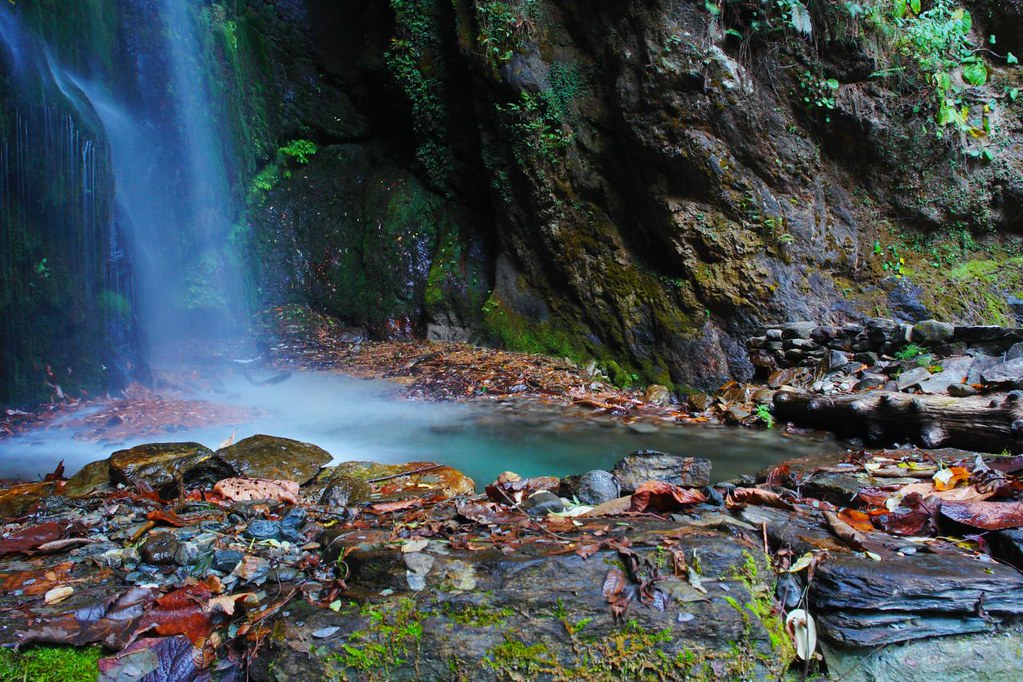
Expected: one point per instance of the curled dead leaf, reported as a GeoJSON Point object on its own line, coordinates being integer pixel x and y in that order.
{"type": "Point", "coordinates": [58, 594]}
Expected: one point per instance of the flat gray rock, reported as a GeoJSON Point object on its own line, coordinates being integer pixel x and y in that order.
{"type": "Point", "coordinates": [954, 371]}
{"type": "Point", "coordinates": [650, 465]}
{"type": "Point", "coordinates": [1009, 372]}
{"type": "Point", "coordinates": [912, 377]}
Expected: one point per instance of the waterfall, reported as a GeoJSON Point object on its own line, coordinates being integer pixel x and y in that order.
{"type": "Point", "coordinates": [64, 290]}
{"type": "Point", "coordinates": [119, 159]}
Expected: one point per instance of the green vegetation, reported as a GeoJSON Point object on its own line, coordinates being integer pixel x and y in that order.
{"type": "Point", "coordinates": [391, 638]}
{"type": "Point", "coordinates": [909, 351]}
{"type": "Point", "coordinates": [475, 615]}
{"type": "Point", "coordinates": [50, 664]}
{"type": "Point", "coordinates": [627, 653]}
{"type": "Point", "coordinates": [763, 413]}
{"type": "Point", "coordinates": [923, 48]}
{"type": "Point", "coordinates": [761, 609]}
{"type": "Point", "coordinates": [500, 25]}
{"type": "Point", "coordinates": [298, 150]}
{"type": "Point", "coordinates": [535, 128]}
{"type": "Point", "coordinates": [294, 152]}
{"type": "Point", "coordinates": [518, 333]}
{"type": "Point", "coordinates": [417, 61]}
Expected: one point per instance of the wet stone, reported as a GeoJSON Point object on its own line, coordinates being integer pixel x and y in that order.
{"type": "Point", "coordinates": [275, 458]}
{"type": "Point", "coordinates": [160, 465]}
{"type": "Point", "coordinates": [159, 549]}
{"type": "Point", "coordinates": [187, 554]}
{"type": "Point", "coordinates": [1007, 545]}
{"type": "Point", "coordinates": [225, 560]}
{"type": "Point", "coordinates": [543, 502]}
{"type": "Point", "coordinates": [259, 529]}
{"type": "Point", "coordinates": [651, 465]}
{"type": "Point", "coordinates": [596, 487]}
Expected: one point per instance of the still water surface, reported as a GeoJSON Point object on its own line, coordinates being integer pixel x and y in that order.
{"type": "Point", "coordinates": [358, 419]}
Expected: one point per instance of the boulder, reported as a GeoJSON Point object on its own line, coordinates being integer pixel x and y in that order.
{"type": "Point", "coordinates": [1004, 374]}
{"type": "Point", "coordinates": [650, 465]}
{"type": "Point", "coordinates": [92, 478]}
{"type": "Point", "coordinates": [931, 333]}
{"type": "Point", "coordinates": [274, 458]}
{"type": "Point", "coordinates": [656, 394]}
{"type": "Point", "coordinates": [592, 488]}
{"type": "Point", "coordinates": [359, 480]}
{"type": "Point", "coordinates": [163, 466]}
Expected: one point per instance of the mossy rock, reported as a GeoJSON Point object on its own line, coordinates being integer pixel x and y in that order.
{"type": "Point", "coordinates": [92, 478]}
{"type": "Point", "coordinates": [17, 499]}
{"type": "Point", "coordinates": [401, 481]}
{"type": "Point", "coordinates": [276, 458]}
{"type": "Point", "coordinates": [163, 466]}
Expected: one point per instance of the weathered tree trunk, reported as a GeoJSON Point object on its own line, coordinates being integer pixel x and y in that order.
{"type": "Point", "coordinates": [989, 423]}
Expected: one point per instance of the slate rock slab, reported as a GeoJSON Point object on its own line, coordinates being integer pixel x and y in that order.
{"type": "Point", "coordinates": [950, 659]}
{"type": "Point", "coordinates": [866, 603]}
{"type": "Point", "coordinates": [954, 372]}
{"type": "Point", "coordinates": [912, 377]}
{"type": "Point", "coordinates": [1006, 373]}
{"type": "Point", "coordinates": [275, 458]}
{"type": "Point", "coordinates": [651, 465]}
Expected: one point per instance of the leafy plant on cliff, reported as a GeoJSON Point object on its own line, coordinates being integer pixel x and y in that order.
{"type": "Point", "coordinates": [417, 62]}
{"type": "Point", "coordinates": [298, 150]}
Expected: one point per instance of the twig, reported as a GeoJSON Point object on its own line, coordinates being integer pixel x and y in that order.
{"type": "Point", "coordinates": [422, 470]}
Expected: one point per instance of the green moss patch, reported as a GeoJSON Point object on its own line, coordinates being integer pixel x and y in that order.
{"type": "Point", "coordinates": [50, 664]}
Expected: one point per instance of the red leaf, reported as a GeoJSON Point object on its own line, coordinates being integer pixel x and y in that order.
{"type": "Point", "coordinates": [985, 515]}
{"type": "Point", "coordinates": [488, 512]}
{"type": "Point", "coordinates": [661, 496]}
{"type": "Point", "coordinates": [28, 539]}
{"type": "Point", "coordinates": [586, 551]}
{"type": "Point", "coordinates": [856, 519]}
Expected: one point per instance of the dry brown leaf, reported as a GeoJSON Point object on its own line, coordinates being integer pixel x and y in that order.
{"type": "Point", "coordinates": [245, 489]}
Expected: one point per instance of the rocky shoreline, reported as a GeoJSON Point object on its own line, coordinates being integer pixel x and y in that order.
{"type": "Point", "coordinates": [185, 563]}
{"type": "Point", "coordinates": [258, 561]}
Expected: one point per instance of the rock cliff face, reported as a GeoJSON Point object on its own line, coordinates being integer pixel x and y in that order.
{"type": "Point", "coordinates": [642, 184]}
{"type": "Point", "coordinates": [645, 183]}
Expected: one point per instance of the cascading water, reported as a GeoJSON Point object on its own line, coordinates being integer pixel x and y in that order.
{"type": "Point", "coordinates": [170, 168]}
{"type": "Point", "coordinates": [64, 288]}
{"type": "Point", "coordinates": [132, 143]}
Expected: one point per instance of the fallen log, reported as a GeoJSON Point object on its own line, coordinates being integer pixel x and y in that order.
{"type": "Point", "coordinates": [988, 423]}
